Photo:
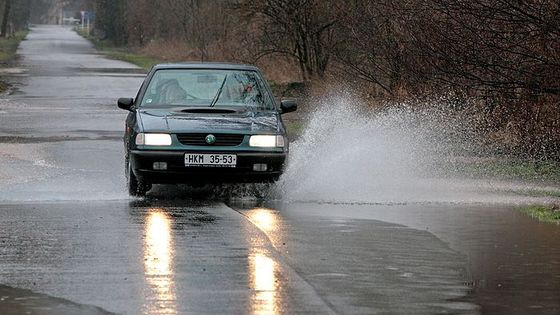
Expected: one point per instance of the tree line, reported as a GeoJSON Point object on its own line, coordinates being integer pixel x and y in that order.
{"type": "Point", "coordinates": [503, 53]}
{"type": "Point", "coordinates": [15, 15]}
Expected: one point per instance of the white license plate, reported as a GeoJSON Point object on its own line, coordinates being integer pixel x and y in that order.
{"type": "Point", "coordinates": [211, 160]}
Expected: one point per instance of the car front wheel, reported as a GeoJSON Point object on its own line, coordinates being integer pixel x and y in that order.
{"type": "Point", "coordinates": [136, 187]}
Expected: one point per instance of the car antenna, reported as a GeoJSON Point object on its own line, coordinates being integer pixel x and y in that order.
{"type": "Point", "coordinates": [215, 99]}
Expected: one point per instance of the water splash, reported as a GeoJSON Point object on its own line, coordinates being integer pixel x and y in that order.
{"type": "Point", "coordinates": [401, 154]}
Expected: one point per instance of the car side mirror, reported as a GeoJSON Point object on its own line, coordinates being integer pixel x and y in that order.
{"type": "Point", "coordinates": [125, 103]}
{"type": "Point", "coordinates": [288, 106]}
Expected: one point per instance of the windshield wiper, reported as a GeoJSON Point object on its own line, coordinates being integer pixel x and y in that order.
{"type": "Point", "coordinates": [217, 97]}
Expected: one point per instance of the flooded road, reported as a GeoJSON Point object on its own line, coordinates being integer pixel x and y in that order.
{"type": "Point", "coordinates": [72, 241]}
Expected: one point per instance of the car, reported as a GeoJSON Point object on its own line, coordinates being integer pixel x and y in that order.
{"type": "Point", "coordinates": [204, 123]}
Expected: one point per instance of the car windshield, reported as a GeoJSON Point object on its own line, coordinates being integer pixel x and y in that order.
{"type": "Point", "coordinates": [196, 87]}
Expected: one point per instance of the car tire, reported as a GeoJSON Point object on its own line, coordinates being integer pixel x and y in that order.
{"type": "Point", "coordinates": [136, 187]}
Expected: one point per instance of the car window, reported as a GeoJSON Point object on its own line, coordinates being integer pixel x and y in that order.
{"type": "Point", "coordinates": [193, 87]}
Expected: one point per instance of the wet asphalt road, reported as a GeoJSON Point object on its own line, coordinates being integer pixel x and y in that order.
{"type": "Point", "coordinates": [72, 241]}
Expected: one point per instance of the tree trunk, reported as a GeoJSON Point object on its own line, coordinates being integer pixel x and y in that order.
{"type": "Point", "coordinates": [7, 6]}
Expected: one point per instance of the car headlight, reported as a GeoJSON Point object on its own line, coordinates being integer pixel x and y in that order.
{"type": "Point", "coordinates": [159, 139]}
{"type": "Point", "coordinates": [267, 141]}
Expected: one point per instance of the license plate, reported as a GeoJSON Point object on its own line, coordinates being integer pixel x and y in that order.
{"type": "Point", "coordinates": [210, 160]}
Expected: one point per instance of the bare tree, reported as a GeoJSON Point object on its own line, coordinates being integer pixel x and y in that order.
{"type": "Point", "coordinates": [300, 29]}
{"type": "Point", "coordinates": [502, 49]}
{"type": "Point", "coordinates": [138, 13]}
{"type": "Point", "coordinates": [377, 47]}
{"type": "Point", "coordinates": [499, 45]}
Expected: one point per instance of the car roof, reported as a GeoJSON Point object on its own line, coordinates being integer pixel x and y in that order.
{"type": "Point", "coordinates": [205, 65]}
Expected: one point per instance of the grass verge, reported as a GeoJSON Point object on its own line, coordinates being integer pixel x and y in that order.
{"type": "Point", "coordinates": [119, 53]}
{"type": "Point", "coordinates": [549, 214]}
{"type": "Point", "coordinates": [294, 128]}
{"type": "Point", "coordinates": [145, 62]}
{"type": "Point", "coordinates": [8, 48]}
{"type": "Point", "coordinates": [540, 193]}
{"type": "Point", "coordinates": [510, 169]}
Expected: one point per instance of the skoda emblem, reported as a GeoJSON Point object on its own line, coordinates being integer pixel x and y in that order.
{"type": "Point", "coordinates": [210, 139]}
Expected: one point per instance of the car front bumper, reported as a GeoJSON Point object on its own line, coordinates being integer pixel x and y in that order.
{"type": "Point", "coordinates": [142, 165]}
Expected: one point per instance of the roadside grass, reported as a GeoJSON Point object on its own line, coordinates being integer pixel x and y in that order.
{"type": "Point", "coordinates": [511, 169]}
{"type": "Point", "coordinates": [294, 128]}
{"type": "Point", "coordinates": [540, 193]}
{"type": "Point", "coordinates": [8, 48]}
{"type": "Point", "coordinates": [3, 86]}
{"type": "Point", "coordinates": [118, 53]}
{"type": "Point", "coordinates": [145, 62]}
{"type": "Point", "coordinates": [548, 214]}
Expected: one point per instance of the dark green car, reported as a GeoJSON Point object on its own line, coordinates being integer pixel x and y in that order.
{"type": "Point", "coordinates": [203, 123]}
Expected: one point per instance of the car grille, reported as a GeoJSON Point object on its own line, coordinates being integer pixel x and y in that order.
{"type": "Point", "coordinates": [200, 139]}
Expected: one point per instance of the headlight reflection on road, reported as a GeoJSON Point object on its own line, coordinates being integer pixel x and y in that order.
{"type": "Point", "coordinates": [263, 269]}
{"type": "Point", "coordinates": [264, 219]}
{"type": "Point", "coordinates": [158, 263]}
{"type": "Point", "coordinates": [264, 284]}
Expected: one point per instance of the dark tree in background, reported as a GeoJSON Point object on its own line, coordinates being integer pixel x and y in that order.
{"type": "Point", "coordinates": [5, 16]}
{"type": "Point", "coordinates": [15, 16]}
{"type": "Point", "coordinates": [20, 14]}
{"type": "Point", "coordinates": [497, 45]}
{"type": "Point", "coordinates": [379, 44]}
{"type": "Point", "coordinates": [507, 52]}
{"type": "Point", "coordinates": [111, 20]}
{"type": "Point", "coordinates": [199, 23]}
{"type": "Point", "coordinates": [139, 31]}
{"type": "Point", "coordinates": [39, 10]}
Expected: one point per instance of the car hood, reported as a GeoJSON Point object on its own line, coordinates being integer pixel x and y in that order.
{"type": "Point", "coordinates": [176, 121]}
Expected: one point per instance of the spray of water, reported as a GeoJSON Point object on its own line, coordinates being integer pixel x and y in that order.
{"type": "Point", "coordinates": [400, 155]}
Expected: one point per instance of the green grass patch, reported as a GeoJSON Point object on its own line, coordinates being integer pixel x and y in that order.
{"type": "Point", "coordinates": [99, 44]}
{"type": "Point", "coordinates": [511, 169]}
{"type": "Point", "coordinates": [9, 45]}
{"type": "Point", "coordinates": [8, 48]}
{"type": "Point", "coordinates": [145, 62]}
{"type": "Point", "coordinates": [294, 128]}
{"type": "Point", "coordinates": [3, 86]}
{"type": "Point", "coordinates": [120, 53]}
{"type": "Point", "coordinates": [540, 193]}
{"type": "Point", "coordinates": [549, 214]}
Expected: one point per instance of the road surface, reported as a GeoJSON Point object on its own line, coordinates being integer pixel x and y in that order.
{"type": "Point", "coordinates": [72, 241]}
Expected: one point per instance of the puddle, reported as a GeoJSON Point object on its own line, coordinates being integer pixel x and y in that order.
{"type": "Point", "coordinates": [20, 301]}
{"type": "Point", "coordinates": [512, 261]}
